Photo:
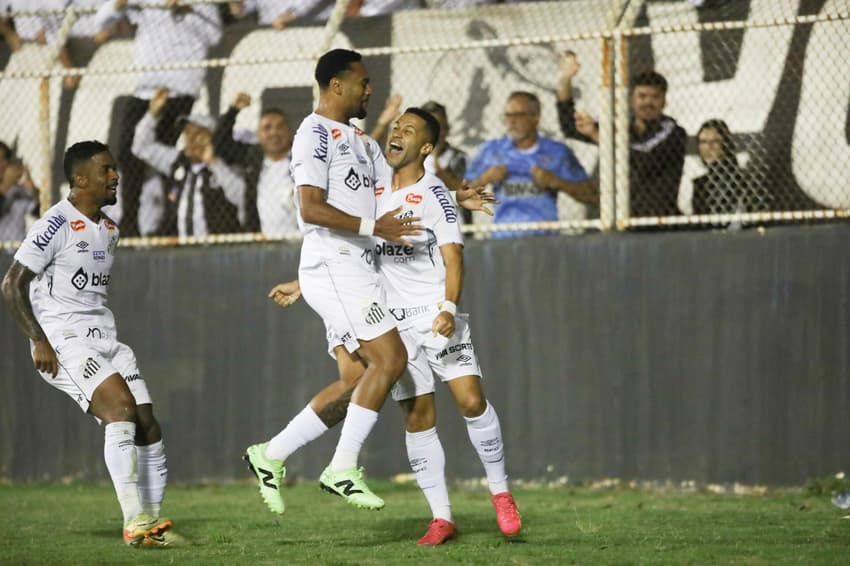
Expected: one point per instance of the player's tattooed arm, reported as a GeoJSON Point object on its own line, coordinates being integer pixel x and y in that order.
{"type": "Point", "coordinates": [15, 289]}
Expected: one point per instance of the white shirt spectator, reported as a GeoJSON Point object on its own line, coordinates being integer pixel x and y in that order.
{"type": "Point", "coordinates": [165, 36]}
{"type": "Point", "coordinates": [29, 27]}
{"type": "Point", "coordinates": [275, 198]}
{"type": "Point", "coordinates": [378, 7]}
{"type": "Point", "coordinates": [269, 10]}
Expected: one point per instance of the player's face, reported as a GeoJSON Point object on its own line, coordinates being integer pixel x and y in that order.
{"type": "Point", "coordinates": [648, 103]}
{"type": "Point", "coordinates": [274, 135]}
{"type": "Point", "coordinates": [356, 90]}
{"type": "Point", "coordinates": [710, 145]}
{"type": "Point", "coordinates": [196, 140]}
{"type": "Point", "coordinates": [100, 177]}
{"type": "Point", "coordinates": [408, 141]}
{"type": "Point", "coordinates": [520, 120]}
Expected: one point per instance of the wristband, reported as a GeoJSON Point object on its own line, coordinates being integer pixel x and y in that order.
{"type": "Point", "coordinates": [367, 227]}
{"type": "Point", "coordinates": [449, 307]}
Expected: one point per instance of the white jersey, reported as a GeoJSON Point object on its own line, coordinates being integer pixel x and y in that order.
{"type": "Point", "coordinates": [347, 164]}
{"type": "Point", "coordinates": [72, 256]}
{"type": "Point", "coordinates": [415, 275]}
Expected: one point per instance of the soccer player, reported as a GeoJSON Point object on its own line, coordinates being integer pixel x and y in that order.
{"type": "Point", "coordinates": [422, 291]}
{"type": "Point", "coordinates": [57, 289]}
{"type": "Point", "coordinates": [335, 166]}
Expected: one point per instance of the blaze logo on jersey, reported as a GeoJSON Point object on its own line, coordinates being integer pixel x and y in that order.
{"type": "Point", "coordinates": [335, 133]}
{"type": "Point", "coordinates": [413, 198]}
{"type": "Point", "coordinates": [321, 152]}
{"type": "Point", "coordinates": [445, 203]}
{"type": "Point", "coordinates": [53, 225]}
{"type": "Point", "coordinates": [80, 279]}
{"type": "Point", "coordinates": [379, 191]}
{"type": "Point", "coordinates": [352, 180]}
{"type": "Point", "coordinates": [77, 225]}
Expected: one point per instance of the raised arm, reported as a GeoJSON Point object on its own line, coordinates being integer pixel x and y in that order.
{"type": "Point", "coordinates": [15, 289]}
{"type": "Point", "coordinates": [145, 145]}
{"type": "Point", "coordinates": [231, 150]}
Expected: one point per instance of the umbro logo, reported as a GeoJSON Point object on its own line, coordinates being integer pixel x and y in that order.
{"type": "Point", "coordinates": [82, 247]}
{"type": "Point", "coordinates": [463, 358]}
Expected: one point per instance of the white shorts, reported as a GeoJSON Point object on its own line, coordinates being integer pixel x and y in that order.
{"type": "Point", "coordinates": [84, 363]}
{"type": "Point", "coordinates": [429, 356]}
{"type": "Point", "coordinates": [349, 298]}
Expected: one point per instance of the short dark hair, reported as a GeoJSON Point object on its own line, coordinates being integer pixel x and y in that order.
{"type": "Point", "coordinates": [333, 64]}
{"type": "Point", "coordinates": [533, 100]}
{"type": "Point", "coordinates": [79, 153]}
{"type": "Point", "coordinates": [434, 106]}
{"type": "Point", "coordinates": [651, 78]}
{"type": "Point", "coordinates": [273, 110]}
{"type": "Point", "coordinates": [431, 123]}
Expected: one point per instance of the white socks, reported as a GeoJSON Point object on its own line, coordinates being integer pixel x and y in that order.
{"type": "Point", "coordinates": [304, 428]}
{"type": "Point", "coordinates": [119, 452]}
{"type": "Point", "coordinates": [428, 462]}
{"type": "Point", "coordinates": [356, 428]}
{"type": "Point", "coordinates": [153, 475]}
{"type": "Point", "coordinates": [486, 436]}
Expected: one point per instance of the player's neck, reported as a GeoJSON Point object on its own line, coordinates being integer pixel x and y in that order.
{"type": "Point", "coordinates": [408, 175]}
{"type": "Point", "coordinates": [330, 112]}
{"type": "Point", "coordinates": [89, 208]}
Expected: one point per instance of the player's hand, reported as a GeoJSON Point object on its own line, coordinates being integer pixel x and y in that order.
{"type": "Point", "coordinates": [391, 111]}
{"type": "Point", "coordinates": [158, 101]}
{"type": "Point", "coordinates": [242, 101]}
{"type": "Point", "coordinates": [568, 66]}
{"type": "Point", "coordinates": [285, 294]}
{"type": "Point", "coordinates": [494, 174]}
{"type": "Point", "coordinates": [476, 198]}
{"type": "Point", "coordinates": [208, 155]}
{"type": "Point", "coordinates": [44, 358]}
{"type": "Point", "coordinates": [282, 20]}
{"type": "Point", "coordinates": [543, 177]}
{"type": "Point", "coordinates": [586, 125]}
{"type": "Point", "coordinates": [237, 9]}
{"type": "Point", "coordinates": [444, 324]}
{"type": "Point", "coordinates": [395, 229]}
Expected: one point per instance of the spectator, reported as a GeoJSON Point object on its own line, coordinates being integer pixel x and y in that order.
{"type": "Point", "coordinates": [209, 195]}
{"type": "Point", "coordinates": [41, 30]}
{"type": "Point", "coordinates": [446, 161]}
{"type": "Point", "coordinates": [656, 142]}
{"type": "Point", "coordinates": [270, 191]}
{"type": "Point", "coordinates": [724, 188]}
{"type": "Point", "coordinates": [527, 169]}
{"type": "Point", "coordinates": [176, 34]}
{"type": "Point", "coordinates": [368, 8]}
{"type": "Point", "coordinates": [18, 196]}
{"type": "Point", "coordinates": [280, 13]}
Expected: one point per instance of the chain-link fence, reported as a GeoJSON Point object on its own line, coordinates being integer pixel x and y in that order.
{"type": "Point", "coordinates": [662, 112]}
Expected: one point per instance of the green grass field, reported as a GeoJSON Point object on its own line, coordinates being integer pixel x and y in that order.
{"type": "Point", "coordinates": [80, 523]}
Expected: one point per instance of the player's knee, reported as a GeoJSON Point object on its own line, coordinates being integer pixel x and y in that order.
{"type": "Point", "coordinates": [419, 421]}
{"type": "Point", "coordinates": [121, 409]}
{"type": "Point", "coordinates": [472, 405]}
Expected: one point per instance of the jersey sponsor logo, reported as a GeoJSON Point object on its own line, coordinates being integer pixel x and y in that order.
{"type": "Point", "coordinates": [399, 252]}
{"type": "Point", "coordinates": [321, 152]}
{"type": "Point", "coordinates": [413, 198]}
{"type": "Point", "coordinates": [352, 180]}
{"type": "Point", "coordinates": [379, 191]}
{"type": "Point", "coordinates": [446, 203]}
{"type": "Point", "coordinates": [464, 359]}
{"type": "Point", "coordinates": [53, 225]}
{"type": "Point", "coordinates": [358, 131]}
{"type": "Point", "coordinates": [82, 247]}
{"type": "Point", "coordinates": [132, 377]}
{"type": "Point", "coordinates": [98, 255]}
{"type": "Point", "coordinates": [373, 314]}
{"type": "Point", "coordinates": [80, 279]}
{"type": "Point", "coordinates": [90, 368]}
{"type": "Point", "coordinates": [110, 225]}
{"type": "Point", "coordinates": [336, 133]}
{"type": "Point", "coordinates": [344, 149]}
{"type": "Point", "coordinates": [77, 225]}
{"type": "Point", "coordinates": [453, 349]}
